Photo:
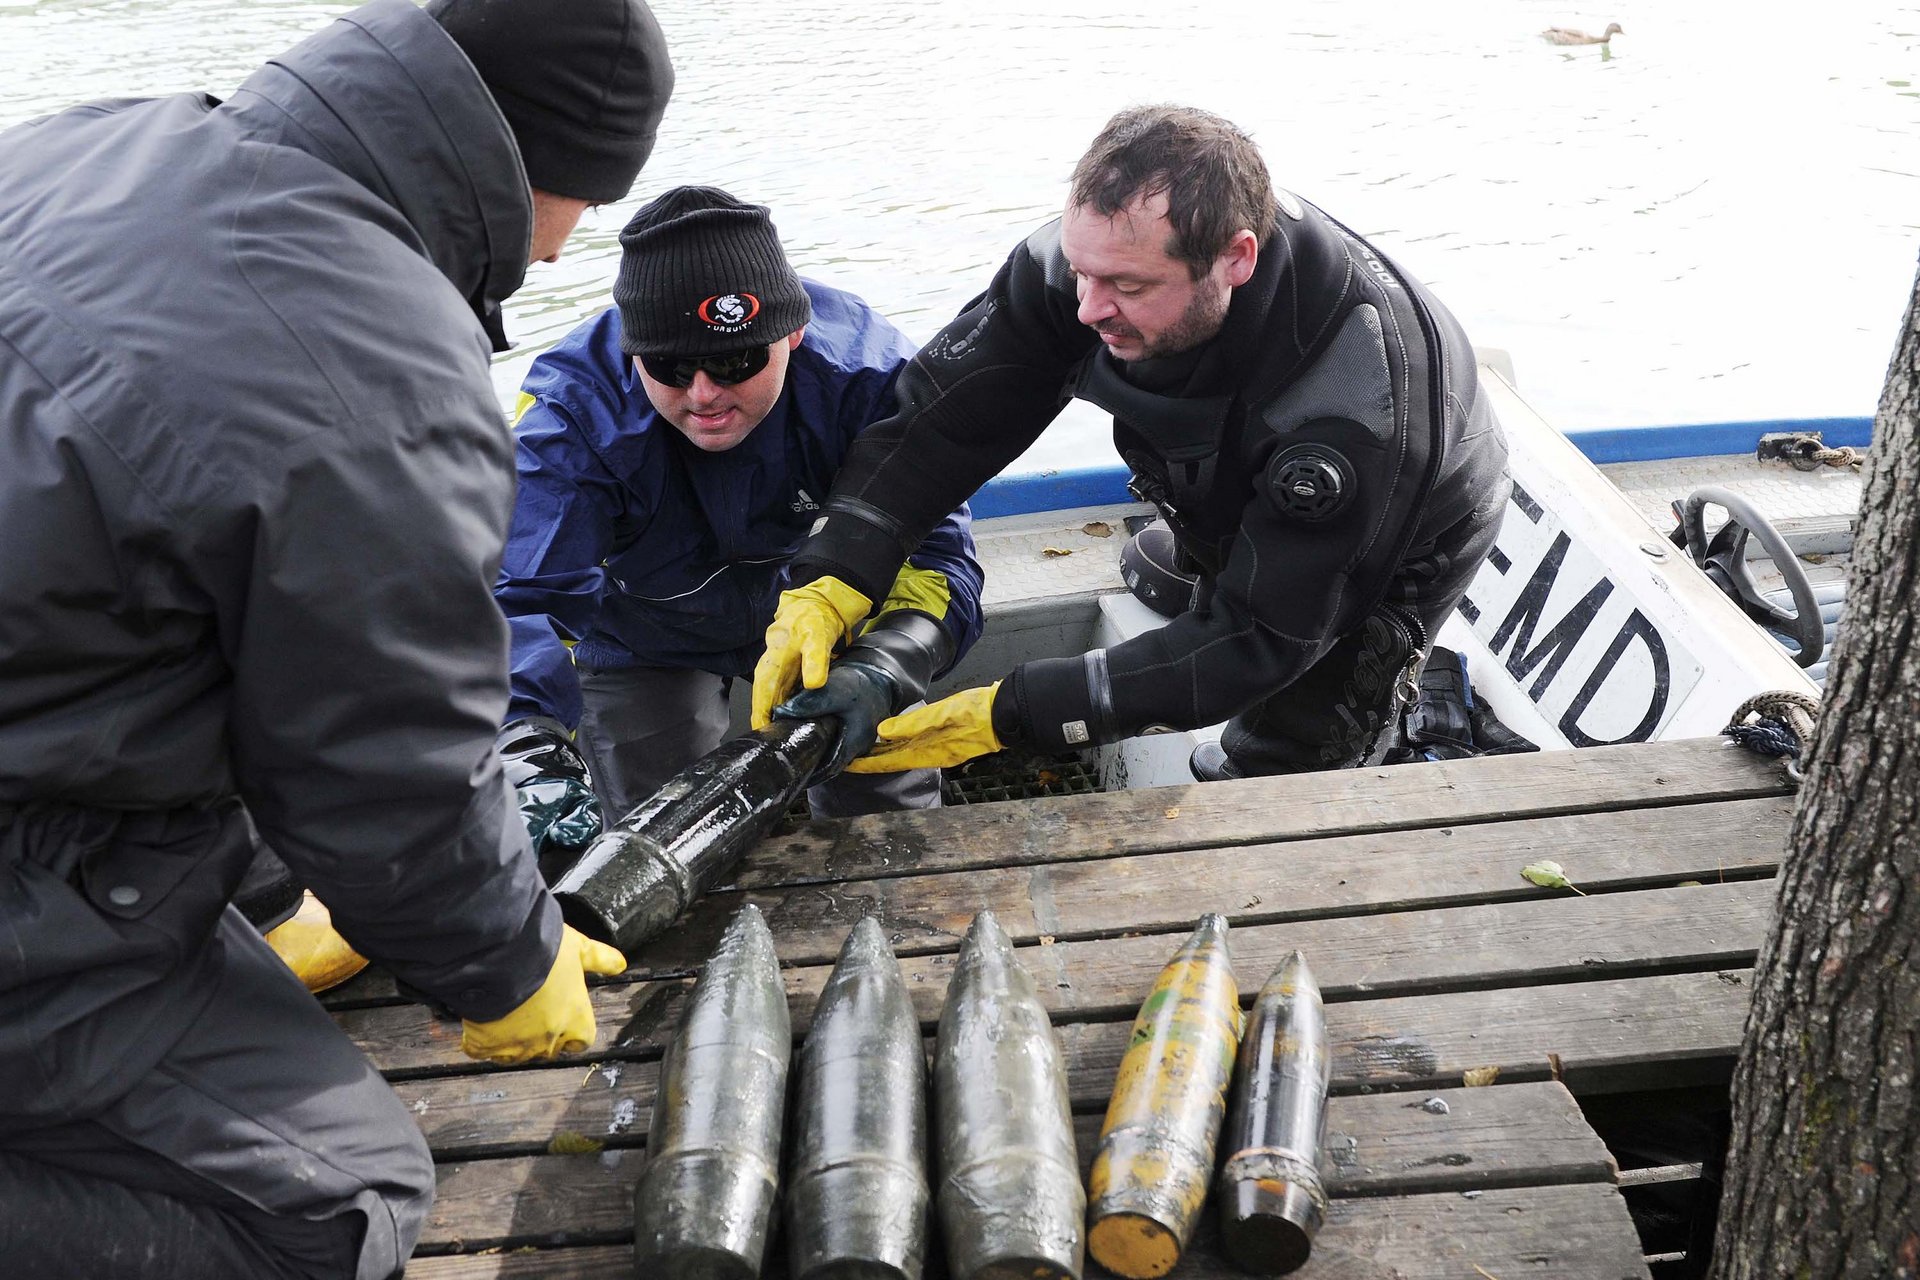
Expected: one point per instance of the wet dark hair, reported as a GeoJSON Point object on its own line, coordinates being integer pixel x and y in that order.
{"type": "Point", "coordinates": [1215, 182]}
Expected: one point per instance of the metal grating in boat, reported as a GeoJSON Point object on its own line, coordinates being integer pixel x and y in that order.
{"type": "Point", "coordinates": [1005, 775]}
{"type": "Point", "coordinates": [1009, 776]}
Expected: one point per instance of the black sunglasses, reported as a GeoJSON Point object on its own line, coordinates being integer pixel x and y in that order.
{"type": "Point", "coordinates": [728, 370]}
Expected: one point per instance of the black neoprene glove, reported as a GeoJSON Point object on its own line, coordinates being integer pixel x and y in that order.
{"type": "Point", "coordinates": [557, 804]}
{"type": "Point", "coordinates": [884, 671]}
{"type": "Point", "coordinates": [861, 696]}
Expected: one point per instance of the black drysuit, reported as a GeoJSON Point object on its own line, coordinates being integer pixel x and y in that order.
{"type": "Point", "coordinates": [1326, 462]}
{"type": "Point", "coordinates": [255, 487]}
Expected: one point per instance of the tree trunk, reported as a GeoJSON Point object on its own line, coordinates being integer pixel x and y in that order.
{"type": "Point", "coordinates": [1823, 1175]}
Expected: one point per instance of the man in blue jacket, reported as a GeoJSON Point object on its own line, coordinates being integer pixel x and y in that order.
{"type": "Point", "coordinates": [673, 452]}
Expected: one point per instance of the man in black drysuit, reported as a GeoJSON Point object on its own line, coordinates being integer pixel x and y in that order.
{"type": "Point", "coordinates": [255, 488]}
{"type": "Point", "coordinates": [1306, 416]}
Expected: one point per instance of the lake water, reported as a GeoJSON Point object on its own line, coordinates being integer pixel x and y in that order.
{"type": "Point", "coordinates": [1714, 220]}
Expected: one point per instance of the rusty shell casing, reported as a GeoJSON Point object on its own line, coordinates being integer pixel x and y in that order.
{"type": "Point", "coordinates": [641, 873]}
{"type": "Point", "coordinates": [856, 1199]}
{"type": "Point", "coordinates": [1009, 1190]}
{"type": "Point", "coordinates": [1155, 1159]}
{"type": "Point", "coordinates": [705, 1199]}
{"type": "Point", "coordinates": [1270, 1195]}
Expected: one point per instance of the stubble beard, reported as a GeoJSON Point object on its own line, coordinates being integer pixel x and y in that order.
{"type": "Point", "coordinates": [1198, 324]}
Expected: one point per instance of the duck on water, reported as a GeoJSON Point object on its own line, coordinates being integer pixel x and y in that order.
{"type": "Point", "coordinates": [1573, 35]}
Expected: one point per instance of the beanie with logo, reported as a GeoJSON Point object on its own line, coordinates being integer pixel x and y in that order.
{"type": "Point", "coordinates": [702, 273]}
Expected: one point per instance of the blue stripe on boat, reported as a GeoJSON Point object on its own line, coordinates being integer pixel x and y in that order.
{"type": "Point", "coordinates": [1018, 495]}
{"type": "Point", "coordinates": [1706, 439]}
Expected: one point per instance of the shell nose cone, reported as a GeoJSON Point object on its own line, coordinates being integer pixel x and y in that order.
{"type": "Point", "coordinates": [986, 931]}
{"type": "Point", "coordinates": [987, 961]}
{"type": "Point", "coordinates": [867, 944]}
{"type": "Point", "coordinates": [741, 985]}
{"type": "Point", "coordinates": [1211, 931]}
{"type": "Point", "coordinates": [1293, 976]}
{"type": "Point", "coordinates": [747, 936]}
{"type": "Point", "coordinates": [865, 998]}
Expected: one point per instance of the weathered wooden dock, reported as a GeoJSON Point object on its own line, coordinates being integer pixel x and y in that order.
{"type": "Point", "coordinates": [1440, 965]}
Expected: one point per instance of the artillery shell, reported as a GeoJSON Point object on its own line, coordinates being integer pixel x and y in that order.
{"type": "Point", "coordinates": [704, 1201]}
{"type": "Point", "coordinates": [857, 1182]}
{"type": "Point", "coordinates": [641, 873]}
{"type": "Point", "coordinates": [1155, 1158]}
{"type": "Point", "coordinates": [1009, 1186]}
{"type": "Point", "coordinates": [1271, 1199]}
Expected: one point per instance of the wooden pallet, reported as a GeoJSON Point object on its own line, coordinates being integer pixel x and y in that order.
{"type": "Point", "coordinates": [1435, 956]}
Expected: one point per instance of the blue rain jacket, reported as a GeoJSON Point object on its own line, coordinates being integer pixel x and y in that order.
{"type": "Point", "coordinates": [649, 552]}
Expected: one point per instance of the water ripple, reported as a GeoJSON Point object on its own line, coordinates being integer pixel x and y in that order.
{"type": "Point", "coordinates": [1654, 237]}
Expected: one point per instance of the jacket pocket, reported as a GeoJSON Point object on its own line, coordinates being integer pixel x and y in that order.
{"type": "Point", "coordinates": [153, 854]}
{"type": "Point", "coordinates": [105, 920]}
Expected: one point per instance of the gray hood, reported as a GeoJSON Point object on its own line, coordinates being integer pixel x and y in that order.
{"type": "Point", "coordinates": [354, 95]}
{"type": "Point", "coordinates": [254, 482]}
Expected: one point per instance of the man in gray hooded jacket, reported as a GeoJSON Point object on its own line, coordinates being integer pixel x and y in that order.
{"type": "Point", "coordinates": [255, 490]}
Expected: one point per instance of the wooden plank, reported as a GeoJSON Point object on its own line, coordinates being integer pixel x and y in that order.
{"type": "Point", "coordinates": [1252, 884]}
{"type": "Point", "coordinates": [1448, 1139]}
{"type": "Point", "coordinates": [1567, 938]}
{"type": "Point", "coordinates": [1577, 1232]}
{"type": "Point", "coordinates": [1668, 1031]}
{"type": "Point", "coordinates": [1661, 1173]}
{"type": "Point", "coordinates": [520, 1112]}
{"type": "Point", "coordinates": [1463, 802]}
{"type": "Point", "coordinates": [1661, 1032]}
{"type": "Point", "coordinates": [1632, 1033]}
{"type": "Point", "coordinates": [1510, 1136]}
{"type": "Point", "coordinates": [1456, 1139]}
{"type": "Point", "coordinates": [612, 1262]}
{"type": "Point", "coordinates": [1257, 810]}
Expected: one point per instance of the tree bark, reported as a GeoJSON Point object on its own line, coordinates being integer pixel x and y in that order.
{"type": "Point", "coordinates": [1823, 1175]}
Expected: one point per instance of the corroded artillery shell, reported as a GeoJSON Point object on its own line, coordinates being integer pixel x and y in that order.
{"type": "Point", "coordinates": [1009, 1186]}
{"type": "Point", "coordinates": [643, 871]}
{"type": "Point", "coordinates": [1155, 1160]}
{"type": "Point", "coordinates": [704, 1201]}
{"type": "Point", "coordinates": [857, 1182]}
{"type": "Point", "coordinates": [1271, 1199]}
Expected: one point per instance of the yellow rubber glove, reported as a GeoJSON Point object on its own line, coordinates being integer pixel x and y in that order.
{"type": "Point", "coordinates": [318, 956]}
{"type": "Point", "coordinates": [915, 588]}
{"type": "Point", "coordinates": [951, 731]}
{"type": "Point", "coordinates": [556, 1019]}
{"type": "Point", "coordinates": [808, 624]}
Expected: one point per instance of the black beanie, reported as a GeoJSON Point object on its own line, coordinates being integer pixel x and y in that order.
{"type": "Point", "coordinates": [703, 274]}
{"type": "Point", "coordinates": [582, 83]}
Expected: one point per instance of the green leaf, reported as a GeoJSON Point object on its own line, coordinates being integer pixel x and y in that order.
{"type": "Point", "coordinates": [1549, 875]}
{"type": "Point", "coordinates": [568, 1143]}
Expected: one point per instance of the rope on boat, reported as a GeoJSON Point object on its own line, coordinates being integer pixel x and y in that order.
{"type": "Point", "coordinates": [1843, 456]}
{"type": "Point", "coordinates": [1804, 451]}
{"type": "Point", "coordinates": [1778, 723]}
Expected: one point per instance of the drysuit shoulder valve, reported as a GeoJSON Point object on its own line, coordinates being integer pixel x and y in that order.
{"type": "Point", "coordinates": [1149, 565]}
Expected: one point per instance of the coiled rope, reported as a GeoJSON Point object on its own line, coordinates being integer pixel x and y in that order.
{"type": "Point", "coordinates": [1804, 451]}
{"type": "Point", "coordinates": [1778, 723]}
{"type": "Point", "coordinates": [1843, 456]}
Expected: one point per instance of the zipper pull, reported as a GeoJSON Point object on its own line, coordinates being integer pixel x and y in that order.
{"type": "Point", "coordinates": [1407, 690]}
